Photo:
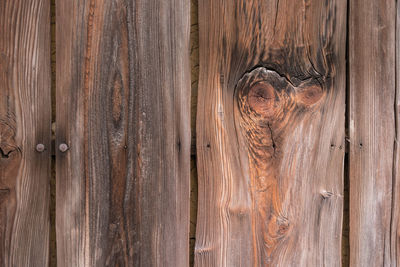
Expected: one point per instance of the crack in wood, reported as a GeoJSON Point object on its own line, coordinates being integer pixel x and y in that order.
{"type": "Point", "coordinates": [272, 138]}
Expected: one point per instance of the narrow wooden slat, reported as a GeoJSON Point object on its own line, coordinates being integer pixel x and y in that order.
{"type": "Point", "coordinates": [25, 121]}
{"type": "Point", "coordinates": [395, 220]}
{"type": "Point", "coordinates": [270, 132]}
{"type": "Point", "coordinates": [372, 129]}
{"type": "Point", "coordinates": [123, 94]}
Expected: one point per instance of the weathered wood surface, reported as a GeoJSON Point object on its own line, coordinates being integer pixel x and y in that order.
{"type": "Point", "coordinates": [25, 121]}
{"type": "Point", "coordinates": [123, 96]}
{"type": "Point", "coordinates": [373, 134]}
{"type": "Point", "coordinates": [270, 132]}
{"type": "Point", "coordinates": [395, 222]}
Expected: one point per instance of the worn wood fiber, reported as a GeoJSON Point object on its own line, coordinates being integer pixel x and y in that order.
{"type": "Point", "coordinates": [270, 132]}
{"type": "Point", "coordinates": [395, 212]}
{"type": "Point", "coordinates": [123, 108]}
{"type": "Point", "coordinates": [373, 130]}
{"type": "Point", "coordinates": [25, 121]}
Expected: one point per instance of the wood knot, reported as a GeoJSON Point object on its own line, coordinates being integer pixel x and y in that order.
{"type": "Point", "coordinates": [7, 139]}
{"type": "Point", "coordinates": [309, 95]}
{"type": "Point", "coordinates": [262, 99]}
{"type": "Point", "coordinates": [267, 94]}
{"type": "Point", "coordinates": [9, 151]}
{"type": "Point", "coordinates": [263, 93]}
{"type": "Point", "coordinates": [4, 195]}
{"type": "Point", "coordinates": [4, 191]}
{"type": "Point", "coordinates": [270, 107]}
{"type": "Point", "coordinates": [277, 229]}
{"type": "Point", "coordinates": [326, 194]}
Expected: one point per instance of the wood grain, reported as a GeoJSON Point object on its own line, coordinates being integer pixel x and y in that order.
{"type": "Point", "coordinates": [25, 121]}
{"type": "Point", "coordinates": [123, 108]}
{"type": "Point", "coordinates": [270, 132]}
{"type": "Point", "coordinates": [395, 222]}
{"type": "Point", "coordinates": [373, 117]}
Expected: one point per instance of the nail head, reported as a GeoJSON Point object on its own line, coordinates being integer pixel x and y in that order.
{"type": "Point", "coordinates": [40, 147]}
{"type": "Point", "coordinates": [63, 147]}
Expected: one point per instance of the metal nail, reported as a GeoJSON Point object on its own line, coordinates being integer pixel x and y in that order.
{"type": "Point", "coordinates": [63, 147]}
{"type": "Point", "coordinates": [40, 147]}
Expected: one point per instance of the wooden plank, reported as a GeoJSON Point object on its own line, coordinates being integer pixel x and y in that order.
{"type": "Point", "coordinates": [270, 132]}
{"type": "Point", "coordinates": [372, 128]}
{"type": "Point", "coordinates": [395, 222]}
{"type": "Point", "coordinates": [25, 121]}
{"type": "Point", "coordinates": [123, 95]}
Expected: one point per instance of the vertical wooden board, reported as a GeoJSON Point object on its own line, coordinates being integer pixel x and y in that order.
{"type": "Point", "coordinates": [372, 129]}
{"type": "Point", "coordinates": [123, 95]}
{"type": "Point", "coordinates": [395, 212]}
{"type": "Point", "coordinates": [25, 121]}
{"type": "Point", "coordinates": [270, 132]}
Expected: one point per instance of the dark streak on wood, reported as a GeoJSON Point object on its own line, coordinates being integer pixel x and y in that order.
{"type": "Point", "coordinates": [123, 108]}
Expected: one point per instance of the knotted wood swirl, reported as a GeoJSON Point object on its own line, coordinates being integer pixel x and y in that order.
{"type": "Point", "coordinates": [270, 106]}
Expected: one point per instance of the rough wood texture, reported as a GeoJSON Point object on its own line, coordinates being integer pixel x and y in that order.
{"type": "Point", "coordinates": [123, 95]}
{"type": "Point", "coordinates": [373, 133]}
{"type": "Point", "coordinates": [25, 121]}
{"type": "Point", "coordinates": [270, 132]}
{"type": "Point", "coordinates": [395, 222]}
{"type": "Point", "coordinates": [194, 62]}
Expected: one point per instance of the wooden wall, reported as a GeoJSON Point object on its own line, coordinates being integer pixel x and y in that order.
{"type": "Point", "coordinates": [281, 152]}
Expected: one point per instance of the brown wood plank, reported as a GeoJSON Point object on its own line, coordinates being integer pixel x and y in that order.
{"type": "Point", "coordinates": [372, 129]}
{"type": "Point", "coordinates": [25, 121]}
{"type": "Point", "coordinates": [123, 96]}
{"type": "Point", "coordinates": [395, 222]}
{"type": "Point", "coordinates": [270, 132]}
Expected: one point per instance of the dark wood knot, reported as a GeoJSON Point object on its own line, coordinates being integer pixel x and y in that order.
{"type": "Point", "coordinates": [278, 228]}
{"type": "Point", "coordinates": [268, 94]}
{"type": "Point", "coordinates": [263, 99]}
{"type": "Point", "coordinates": [309, 95]}
{"type": "Point", "coordinates": [7, 151]}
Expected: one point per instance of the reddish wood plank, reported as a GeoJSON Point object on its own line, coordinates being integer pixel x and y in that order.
{"type": "Point", "coordinates": [270, 132]}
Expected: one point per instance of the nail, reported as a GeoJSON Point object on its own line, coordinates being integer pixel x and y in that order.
{"type": "Point", "coordinates": [63, 147]}
{"type": "Point", "coordinates": [40, 147]}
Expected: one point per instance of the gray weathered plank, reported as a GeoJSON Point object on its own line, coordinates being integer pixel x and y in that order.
{"type": "Point", "coordinates": [372, 131]}
{"type": "Point", "coordinates": [123, 96]}
{"type": "Point", "coordinates": [25, 121]}
{"type": "Point", "coordinates": [270, 132]}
